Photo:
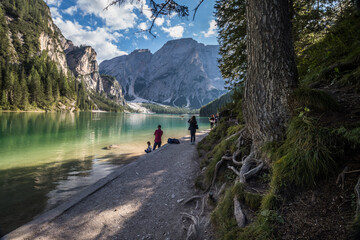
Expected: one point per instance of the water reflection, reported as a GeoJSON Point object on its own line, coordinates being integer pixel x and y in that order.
{"type": "Point", "coordinates": [47, 157]}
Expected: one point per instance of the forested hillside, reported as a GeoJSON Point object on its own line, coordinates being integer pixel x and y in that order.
{"type": "Point", "coordinates": [305, 185]}
{"type": "Point", "coordinates": [214, 106]}
{"type": "Point", "coordinates": [33, 69]}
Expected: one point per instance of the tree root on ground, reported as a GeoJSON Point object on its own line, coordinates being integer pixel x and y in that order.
{"type": "Point", "coordinates": [245, 171]}
{"type": "Point", "coordinates": [193, 228]}
{"type": "Point", "coordinates": [238, 213]}
{"type": "Point", "coordinates": [357, 192]}
{"type": "Point", "coordinates": [342, 177]}
{"type": "Point", "coordinates": [217, 167]}
{"type": "Point", "coordinates": [191, 199]}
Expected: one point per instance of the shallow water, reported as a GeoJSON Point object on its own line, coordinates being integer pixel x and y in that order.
{"type": "Point", "coordinates": [47, 157]}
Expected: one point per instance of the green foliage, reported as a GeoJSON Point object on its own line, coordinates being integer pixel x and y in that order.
{"type": "Point", "coordinates": [335, 58]}
{"type": "Point", "coordinates": [231, 21]}
{"type": "Point", "coordinates": [350, 135]}
{"type": "Point", "coordinates": [252, 200]}
{"type": "Point", "coordinates": [168, 109]}
{"type": "Point", "coordinates": [354, 232]}
{"type": "Point", "coordinates": [106, 104]}
{"type": "Point", "coordinates": [223, 218]}
{"type": "Point", "coordinates": [36, 84]}
{"type": "Point", "coordinates": [305, 156]}
{"type": "Point", "coordinates": [312, 99]}
{"type": "Point", "coordinates": [225, 223]}
{"type": "Point", "coordinates": [216, 154]}
{"type": "Point", "coordinates": [214, 106]}
{"type": "Point", "coordinates": [312, 19]}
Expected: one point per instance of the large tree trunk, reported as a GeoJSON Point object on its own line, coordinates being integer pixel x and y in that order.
{"type": "Point", "coordinates": [271, 73]}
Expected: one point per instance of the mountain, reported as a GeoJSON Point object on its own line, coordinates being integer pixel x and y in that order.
{"type": "Point", "coordinates": [182, 73]}
{"type": "Point", "coordinates": [214, 106]}
{"type": "Point", "coordinates": [41, 69]}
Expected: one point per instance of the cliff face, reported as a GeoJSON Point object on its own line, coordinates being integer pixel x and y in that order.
{"type": "Point", "coordinates": [82, 62]}
{"type": "Point", "coordinates": [51, 43]}
{"type": "Point", "coordinates": [28, 32]}
{"type": "Point", "coordinates": [182, 73]}
{"type": "Point", "coordinates": [113, 90]}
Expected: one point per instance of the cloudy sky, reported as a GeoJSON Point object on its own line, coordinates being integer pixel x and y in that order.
{"type": "Point", "coordinates": [117, 31]}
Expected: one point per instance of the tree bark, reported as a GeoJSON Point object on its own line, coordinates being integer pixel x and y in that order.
{"type": "Point", "coordinates": [271, 72]}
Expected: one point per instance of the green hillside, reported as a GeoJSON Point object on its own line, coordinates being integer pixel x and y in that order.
{"type": "Point", "coordinates": [315, 168]}
{"type": "Point", "coordinates": [29, 80]}
{"type": "Point", "coordinates": [214, 106]}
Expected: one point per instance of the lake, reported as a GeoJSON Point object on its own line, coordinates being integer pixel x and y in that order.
{"type": "Point", "coordinates": [45, 158]}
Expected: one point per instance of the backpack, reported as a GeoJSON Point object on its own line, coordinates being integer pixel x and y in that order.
{"type": "Point", "coordinates": [173, 141]}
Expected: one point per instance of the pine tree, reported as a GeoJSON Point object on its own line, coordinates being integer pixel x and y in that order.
{"type": "Point", "coordinates": [24, 102]}
{"type": "Point", "coordinates": [231, 22]}
{"type": "Point", "coordinates": [36, 90]}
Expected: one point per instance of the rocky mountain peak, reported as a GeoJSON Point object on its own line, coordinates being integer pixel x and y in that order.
{"type": "Point", "coordinates": [181, 73]}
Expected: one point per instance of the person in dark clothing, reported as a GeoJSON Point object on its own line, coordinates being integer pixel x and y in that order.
{"type": "Point", "coordinates": [212, 121]}
{"type": "Point", "coordinates": [193, 126]}
{"type": "Point", "coordinates": [158, 133]}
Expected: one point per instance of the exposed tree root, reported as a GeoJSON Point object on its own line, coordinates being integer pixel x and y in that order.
{"type": "Point", "coordinates": [357, 192]}
{"type": "Point", "coordinates": [236, 172]}
{"type": "Point", "coordinates": [235, 134]}
{"type": "Point", "coordinates": [254, 171]}
{"type": "Point", "coordinates": [192, 231]}
{"type": "Point", "coordinates": [239, 215]}
{"type": "Point", "coordinates": [234, 156]}
{"type": "Point", "coordinates": [203, 203]}
{"type": "Point", "coordinates": [191, 199]}
{"type": "Point", "coordinates": [342, 177]}
{"type": "Point", "coordinates": [217, 167]}
{"type": "Point", "coordinates": [245, 171]}
{"type": "Point", "coordinates": [221, 190]}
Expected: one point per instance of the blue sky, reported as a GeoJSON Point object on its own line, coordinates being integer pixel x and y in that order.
{"type": "Point", "coordinates": [117, 31]}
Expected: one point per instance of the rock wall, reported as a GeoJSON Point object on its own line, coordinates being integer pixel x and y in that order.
{"type": "Point", "coordinates": [182, 73]}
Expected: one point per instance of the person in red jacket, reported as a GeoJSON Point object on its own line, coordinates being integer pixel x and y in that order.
{"type": "Point", "coordinates": [158, 133]}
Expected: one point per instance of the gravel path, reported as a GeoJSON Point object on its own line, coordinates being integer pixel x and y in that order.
{"type": "Point", "coordinates": [141, 202]}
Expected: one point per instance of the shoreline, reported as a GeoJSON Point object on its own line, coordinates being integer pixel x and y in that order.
{"type": "Point", "coordinates": [52, 214]}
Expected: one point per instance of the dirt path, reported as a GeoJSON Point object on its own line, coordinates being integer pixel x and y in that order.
{"type": "Point", "coordinates": [142, 202]}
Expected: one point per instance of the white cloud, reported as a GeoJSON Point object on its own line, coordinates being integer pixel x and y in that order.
{"type": "Point", "coordinates": [53, 2]}
{"type": "Point", "coordinates": [174, 32]}
{"type": "Point", "coordinates": [143, 26]}
{"type": "Point", "coordinates": [211, 31]}
{"type": "Point", "coordinates": [173, 14]}
{"type": "Point", "coordinates": [116, 18]}
{"type": "Point", "coordinates": [159, 21]}
{"type": "Point", "coordinates": [168, 23]}
{"type": "Point", "coordinates": [101, 39]}
{"type": "Point", "coordinates": [118, 35]}
{"type": "Point", "coordinates": [70, 10]}
{"type": "Point", "coordinates": [54, 12]}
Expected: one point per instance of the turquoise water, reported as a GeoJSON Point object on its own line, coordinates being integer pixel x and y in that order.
{"type": "Point", "coordinates": [47, 157]}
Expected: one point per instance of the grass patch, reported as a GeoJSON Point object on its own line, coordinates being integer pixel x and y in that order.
{"type": "Point", "coordinates": [223, 218]}
{"type": "Point", "coordinates": [305, 156]}
{"type": "Point", "coordinates": [313, 99]}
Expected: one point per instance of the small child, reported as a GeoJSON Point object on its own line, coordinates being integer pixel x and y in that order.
{"type": "Point", "coordinates": [149, 149]}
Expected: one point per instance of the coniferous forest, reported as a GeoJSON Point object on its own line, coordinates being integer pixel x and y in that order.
{"type": "Point", "coordinates": [29, 79]}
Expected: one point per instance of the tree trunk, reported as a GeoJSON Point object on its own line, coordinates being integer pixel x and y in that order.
{"type": "Point", "coordinates": [271, 73]}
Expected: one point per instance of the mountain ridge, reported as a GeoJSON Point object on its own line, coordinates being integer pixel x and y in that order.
{"type": "Point", "coordinates": [41, 69]}
{"type": "Point", "coordinates": [154, 77]}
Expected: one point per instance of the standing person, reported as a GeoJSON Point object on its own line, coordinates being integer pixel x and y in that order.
{"type": "Point", "coordinates": [158, 133]}
{"type": "Point", "coordinates": [212, 121]}
{"type": "Point", "coordinates": [193, 126]}
{"type": "Point", "coordinates": [217, 119]}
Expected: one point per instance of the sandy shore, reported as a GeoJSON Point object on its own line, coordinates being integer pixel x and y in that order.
{"type": "Point", "coordinates": [137, 201]}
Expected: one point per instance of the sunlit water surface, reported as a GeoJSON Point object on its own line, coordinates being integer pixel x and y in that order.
{"type": "Point", "coordinates": [47, 157]}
